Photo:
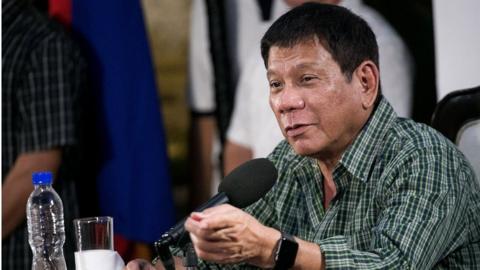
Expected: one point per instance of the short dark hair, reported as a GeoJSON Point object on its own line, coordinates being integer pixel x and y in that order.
{"type": "Point", "coordinates": [346, 36]}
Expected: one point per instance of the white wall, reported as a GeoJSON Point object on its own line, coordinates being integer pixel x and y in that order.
{"type": "Point", "coordinates": [457, 44]}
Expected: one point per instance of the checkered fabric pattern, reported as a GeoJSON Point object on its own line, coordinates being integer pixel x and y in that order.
{"type": "Point", "coordinates": [406, 199]}
{"type": "Point", "coordinates": [41, 77]}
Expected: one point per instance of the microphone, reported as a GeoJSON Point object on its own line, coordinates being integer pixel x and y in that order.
{"type": "Point", "coordinates": [245, 185]}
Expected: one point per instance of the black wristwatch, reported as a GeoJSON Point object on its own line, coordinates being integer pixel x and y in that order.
{"type": "Point", "coordinates": [286, 252]}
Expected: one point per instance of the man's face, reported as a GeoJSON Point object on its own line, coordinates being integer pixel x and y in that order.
{"type": "Point", "coordinates": [318, 110]}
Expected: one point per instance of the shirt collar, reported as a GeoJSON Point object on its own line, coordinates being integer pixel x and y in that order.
{"type": "Point", "coordinates": [361, 154]}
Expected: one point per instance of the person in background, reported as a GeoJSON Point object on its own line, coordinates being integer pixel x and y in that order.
{"type": "Point", "coordinates": [253, 131]}
{"type": "Point", "coordinates": [244, 22]}
{"type": "Point", "coordinates": [42, 74]}
{"type": "Point", "coordinates": [358, 187]}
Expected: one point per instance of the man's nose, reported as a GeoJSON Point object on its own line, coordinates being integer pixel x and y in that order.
{"type": "Point", "coordinates": [290, 99]}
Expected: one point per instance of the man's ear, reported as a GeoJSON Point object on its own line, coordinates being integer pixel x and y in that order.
{"type": "Point", "coordinates": [368, 76]}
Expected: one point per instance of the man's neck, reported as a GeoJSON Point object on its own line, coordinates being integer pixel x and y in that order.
{"type": "Point", "coordinates": [329, 187]}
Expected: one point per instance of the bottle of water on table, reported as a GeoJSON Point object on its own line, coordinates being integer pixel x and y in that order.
{"type": "Point", "coordinates": [46, 230]}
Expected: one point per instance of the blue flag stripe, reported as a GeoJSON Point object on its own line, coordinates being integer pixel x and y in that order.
{"type": "Point", "coordinates": [134, 181]}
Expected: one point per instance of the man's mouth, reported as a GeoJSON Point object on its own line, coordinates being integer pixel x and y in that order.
{"type": "Point", "coordinates": [295, 130]}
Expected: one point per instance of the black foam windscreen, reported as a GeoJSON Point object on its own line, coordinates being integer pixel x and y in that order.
{"type": "Point", "coordinates": [249, 182]}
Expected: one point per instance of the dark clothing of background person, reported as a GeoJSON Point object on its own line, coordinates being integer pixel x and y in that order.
{"type": "Point", "coordinates": [41, 78]}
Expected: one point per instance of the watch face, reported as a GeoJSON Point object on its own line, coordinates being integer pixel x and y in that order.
{"type": "Point", "coordinates": [286, 252]}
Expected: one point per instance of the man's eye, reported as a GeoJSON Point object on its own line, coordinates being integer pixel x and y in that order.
{"type": "Point", "coordinates": [275, 84]}
{"type": "Point", "coordinates": [308, 78]}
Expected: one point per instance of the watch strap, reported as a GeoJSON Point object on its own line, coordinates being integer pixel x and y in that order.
{"type": "Point", "coordinates": [286, 252]}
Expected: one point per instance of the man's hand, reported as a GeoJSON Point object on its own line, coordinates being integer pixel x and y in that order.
{"type": "Point", "coordinates": [140, 264]}
{"type": "Point", "coordinates": [225, 234]}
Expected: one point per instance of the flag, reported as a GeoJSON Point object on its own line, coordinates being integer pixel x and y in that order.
{"type": "Point", "coordinates": [133, 182]}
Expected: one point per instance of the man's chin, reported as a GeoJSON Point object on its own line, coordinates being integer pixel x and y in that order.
{"type": "Point", "coordinates": [303, 150]}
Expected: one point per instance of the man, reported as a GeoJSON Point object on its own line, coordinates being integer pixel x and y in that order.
{"type": "Point", "coordinates": [41, 80]}
{"type": "Point", "coordinates": [358, 187]}
{"type": "Point", "coordinates": [253, 131]}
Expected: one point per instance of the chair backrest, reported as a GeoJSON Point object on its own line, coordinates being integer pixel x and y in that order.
{"type": "Point", "coordinates": [468, 141]}
{"type": "Point", "coordinates": [457, 117]}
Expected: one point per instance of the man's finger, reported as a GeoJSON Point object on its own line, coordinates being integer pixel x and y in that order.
{"type": "Point", "coordinates": [139, 264]}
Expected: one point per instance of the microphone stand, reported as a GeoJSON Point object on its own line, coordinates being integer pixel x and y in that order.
{"type": "Point", "coordinates": [162, 248]}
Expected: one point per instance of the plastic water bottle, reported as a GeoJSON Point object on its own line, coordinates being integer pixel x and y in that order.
{"type": "Point", "coordinates": [46, 229]}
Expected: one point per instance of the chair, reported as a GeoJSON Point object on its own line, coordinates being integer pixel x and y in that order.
{"type": "Point", "coordinates": [457, 117]}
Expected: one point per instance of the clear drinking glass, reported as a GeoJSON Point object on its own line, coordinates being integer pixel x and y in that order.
{"type": "Point", "coordinates": [93, 233]}
{"type": "Point", "coordinates": [94, 244]}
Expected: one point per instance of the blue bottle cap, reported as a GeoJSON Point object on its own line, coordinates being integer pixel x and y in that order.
{"type": "Point", "coordinates": [42, 178]}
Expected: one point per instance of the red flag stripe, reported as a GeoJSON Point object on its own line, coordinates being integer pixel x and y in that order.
{"type": "Point", "coordinates": [61, 10]}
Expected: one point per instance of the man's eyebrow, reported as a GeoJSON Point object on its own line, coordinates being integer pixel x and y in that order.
{"type": "Point", "coordinates": [307, 65]}
{"type": "Point", "coordinates": [299, 66]}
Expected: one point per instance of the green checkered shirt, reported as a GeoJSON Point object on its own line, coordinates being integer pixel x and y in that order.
{"type": "Point", "coordinates": [406, 199]}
